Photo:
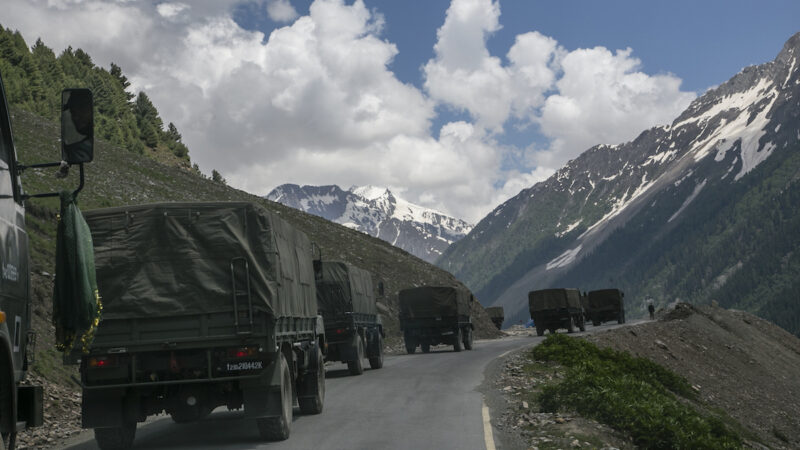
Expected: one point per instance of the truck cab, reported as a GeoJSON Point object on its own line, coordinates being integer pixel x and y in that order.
{"type": "Point", "coordinates": [20, 406]}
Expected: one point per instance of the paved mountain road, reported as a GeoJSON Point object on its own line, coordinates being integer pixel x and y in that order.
{"type": "Point", "coordinates": [419, 401]}
{"type": "Point", "coordinates": [415, 402]}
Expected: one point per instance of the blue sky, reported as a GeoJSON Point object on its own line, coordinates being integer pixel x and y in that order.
{"type": "Point", "coordinates": [455, 104]}
{"type": "Point", "coordinates": [704, 42]}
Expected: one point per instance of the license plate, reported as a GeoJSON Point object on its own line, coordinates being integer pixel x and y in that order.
{"type": "Point", "coordinates": [244, 365]}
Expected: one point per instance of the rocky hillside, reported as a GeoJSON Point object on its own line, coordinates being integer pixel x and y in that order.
{"type": "Point", "coordinates": [737, 362]}
{"type": "Point", "coordinates": [378, 212]}
{"type": "Point", "coordinates": [118, 177]}
{"type": "Point", "coordinates": [741, 368]}
{"type": "Point", "coordinates": [705, 208]}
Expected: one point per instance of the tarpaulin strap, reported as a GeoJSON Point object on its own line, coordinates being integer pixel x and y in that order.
{"type": "Point", "coordinates": [76, 300]}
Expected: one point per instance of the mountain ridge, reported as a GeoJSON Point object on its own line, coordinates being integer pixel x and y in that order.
{"type": "Point", "coordinates": [704, 157]}
{"type": "Point", "coordinates": [377, 211]}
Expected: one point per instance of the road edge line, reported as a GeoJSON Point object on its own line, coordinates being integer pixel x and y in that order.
{"type": "Point", "coordinates": [488, 436]}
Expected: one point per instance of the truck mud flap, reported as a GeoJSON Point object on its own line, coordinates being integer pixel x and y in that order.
{"type": "Point", "coordinates": [102, 408]}
{"type": "Point", "coordinates": [30, 405]}
{"type": "Point", "coordinates": [262, 395]}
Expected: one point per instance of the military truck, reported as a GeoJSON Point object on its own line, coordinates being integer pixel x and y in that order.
{"type": "Point", "coordinates": [432, 315]}
{"type": "Point", "coordinates": [204, 305]}
{"type": "Point", "coordinates": [552, 309]}
{"type": "Point", "coordinates": [497, 315]}
{"type": "Point", "coordinates": [606, 305]}
{"type": "Point", "coordinates": [21, 407]}
{"type": "Point", "coordinates": [347, 302]}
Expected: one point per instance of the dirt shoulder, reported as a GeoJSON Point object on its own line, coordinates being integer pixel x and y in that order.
{"type": "Point", "coordinates": [740, 365]}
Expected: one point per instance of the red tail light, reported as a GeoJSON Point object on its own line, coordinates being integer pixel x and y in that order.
{"type": "Point", "coordinates": [341, 331]}
{"type": "Point", "coordinates": [99, 362]}
{"type": "Point", "coordinates": [242, 352]}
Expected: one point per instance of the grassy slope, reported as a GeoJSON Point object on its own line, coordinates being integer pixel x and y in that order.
{"type": "Point", "coordinates": [118, 177]}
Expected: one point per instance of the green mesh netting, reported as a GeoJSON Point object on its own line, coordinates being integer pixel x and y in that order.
{"type": "Point", "coordinates": [76, 300]}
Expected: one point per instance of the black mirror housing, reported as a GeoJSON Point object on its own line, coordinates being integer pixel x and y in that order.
{"type": "Point", "coordinates": [77, 126]}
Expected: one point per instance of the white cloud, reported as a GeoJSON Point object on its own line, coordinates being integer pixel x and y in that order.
{"type": "Point", "coordinates": [577, 98]}
{"type": "Point", "coordinates": [463, 74]}
{"type": "Point", "coordinates": [315, 102]}
{"type": "Point", "coordinates": [171, 10]}
{"type": "Point", "coordinates": [602, 98]}
{"type": "Point", "coordinates": [281, 11]}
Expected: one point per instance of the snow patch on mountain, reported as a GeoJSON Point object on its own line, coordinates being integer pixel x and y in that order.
{"type": "Point", "coordinates": [688, 200]}
{"type": "Point", "coordinates": [377, 211]}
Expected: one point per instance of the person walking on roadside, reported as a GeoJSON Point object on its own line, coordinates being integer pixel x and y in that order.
{"type": "Point", "coordinates": [652, 310]}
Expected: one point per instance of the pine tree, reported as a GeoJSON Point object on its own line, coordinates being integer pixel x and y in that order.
{"type": "Point", "coordinates": [116, 71]}
{"type": "Point", "coordinates": [216, 177]}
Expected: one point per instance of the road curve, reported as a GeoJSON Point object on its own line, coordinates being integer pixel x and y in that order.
{"type": "Point", "coordinates": [416, 401]}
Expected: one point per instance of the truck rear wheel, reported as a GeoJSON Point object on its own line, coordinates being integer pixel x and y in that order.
{"type": "Point", "coordinates": [116, 438]}
{"type": "Point", "coordinates": [571, 325]}
{"type": "Point", "coordinates": [582, 324]}
{"type": "Point", "coordinates": [426, 347]}
{"type": "Point", "coordinates": [357, 367]}
{"type": "Point", "coordinates": [314, 382]}
{"type": "Point", "coordinates": [621, 318]}
{"type": "Point", "coordinates": [539, 330]}
{"type": "Point", "coordinates": [376, 360]}
{"type": "Point", "coordinates": [278, 428]}
{"type": "Point", "coordinates": [457, 343]}
{"type": "Point", "coordinates": [468, 339]}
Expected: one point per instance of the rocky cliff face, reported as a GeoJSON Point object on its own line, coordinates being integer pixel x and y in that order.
{"type": "Point", "coordinates": [694, 210]}
{"type": "Point", "coordinates": [376, 211]}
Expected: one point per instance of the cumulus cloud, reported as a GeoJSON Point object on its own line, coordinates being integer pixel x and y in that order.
{"type": "Point", "coordinates": [315, 101]}
{"type": "Point", "coordinates": [609, 98]}
{"type": "Point", "coordinates": [576, 98]}
{"type": "Point", "coordinates": [281, 11]}
{"type": "Point", "coordinates": [171, 10]}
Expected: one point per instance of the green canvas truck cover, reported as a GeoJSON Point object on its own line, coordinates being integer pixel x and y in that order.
{"type": "Point", "coordinates": [604, 297]}
{"type": "Point", "coordinates": [343, 287]}
{"type": "Point", "coordinates": [173, 259]}
{"type": "Point", "coordinates": [547, 299]}
{"type": "Point", "coordinates": [434, 301]}
{"type": "Point", "coordinates": [495, 312]}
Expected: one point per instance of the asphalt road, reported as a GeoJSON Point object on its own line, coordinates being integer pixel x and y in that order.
{"type": "Point", "coordinates": [420, 401]}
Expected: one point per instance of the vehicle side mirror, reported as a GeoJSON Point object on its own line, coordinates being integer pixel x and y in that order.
{"type": "Point", "coordinates": [77, 126]}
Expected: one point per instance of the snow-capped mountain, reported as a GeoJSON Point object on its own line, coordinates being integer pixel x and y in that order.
{"type": "Point", "coordinates": [706, 208]}
{"type": "Point", "coordinates": [376, 211]}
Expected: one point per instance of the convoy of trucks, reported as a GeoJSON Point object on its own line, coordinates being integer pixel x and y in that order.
{"type": "Point", "coordinates": [218, 304]}
{"type": "Point", "coordinates": [432, 315]}
{"type": "Point", "coordinates": [347, 301]}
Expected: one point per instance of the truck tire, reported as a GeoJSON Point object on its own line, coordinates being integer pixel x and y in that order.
{"type": "Point", "coordinates": [357, 367]}
{"type": "Point", "coordinates": [539, 330]}
{"type": "Point", "coordinates": [411, 346]}
{"type": "Point", "coordinates": [315, 382]}
{"type": "Point", "coordinates": [376, 360]}
{"type": "Point", "coordinates": [468, 339]}
{"type": "Point", "coordinates": [596, 323]}
{"type": "Point", "coordinates": [571, 325]}
{"type": "Point", "coordinates": [582, 324]}
{"type": "Point", "coordinates": [278, 428]}
{"type": "Point", "coordinates": [426, 347]}
{"type": "Point", "coordinates": [621, 317]}
{"type": "Point", "coordinates": [116, 438]}
{"type": "Point", "coordinates": [459, 337]}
